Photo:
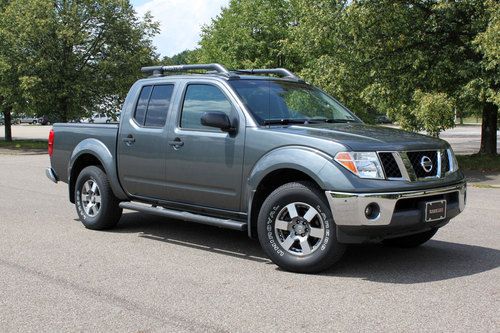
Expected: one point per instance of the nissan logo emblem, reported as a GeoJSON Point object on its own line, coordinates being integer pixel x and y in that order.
{"type": "Point", "coordinates": [426, 164]}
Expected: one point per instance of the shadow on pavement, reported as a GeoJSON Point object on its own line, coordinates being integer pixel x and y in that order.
{"type": "Point", "coordinates": [434, 261]}
{"type": "Point", "coordinates": [193, 235]}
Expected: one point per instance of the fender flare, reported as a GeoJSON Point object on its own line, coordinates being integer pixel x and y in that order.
{"type": "Point", "coordinates": [99, 150]}
{"type": "Point", "coordinates": [309, 161]}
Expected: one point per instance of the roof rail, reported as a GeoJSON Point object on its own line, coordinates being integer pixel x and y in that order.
{"type": "Point", "coordinates": [159, 70]}
{"type": "Point", "coordinates": [285, 73]}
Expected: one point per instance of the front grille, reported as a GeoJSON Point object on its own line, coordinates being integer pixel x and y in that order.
{"type": "Point", "coordinates": [390, 166]}
{"type": "Point", "coordinates": [445, 166]}
{"type": "Point", "coordinates": [418, 157]}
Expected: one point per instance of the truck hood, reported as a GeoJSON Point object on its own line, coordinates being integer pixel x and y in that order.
{"type": "Point", "coordinates": [363, 137]}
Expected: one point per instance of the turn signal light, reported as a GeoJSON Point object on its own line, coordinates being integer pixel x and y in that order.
{"type": "Point", "coordinates": [346, 160]}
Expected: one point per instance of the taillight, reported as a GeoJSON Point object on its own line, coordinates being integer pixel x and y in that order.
{"type": "Point", "coordinates": [51, 142]}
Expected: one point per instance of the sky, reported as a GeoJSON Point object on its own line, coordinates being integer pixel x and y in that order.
{"type": "Point", "coordinates": [180, 21]}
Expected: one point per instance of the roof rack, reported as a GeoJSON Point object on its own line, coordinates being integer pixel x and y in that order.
{"type": "Point", "coordinates": [218, 69]}
{"type": "Point", "coordinates": [285, 73]}
{"type": "Point", "coordinates": [214, 68]}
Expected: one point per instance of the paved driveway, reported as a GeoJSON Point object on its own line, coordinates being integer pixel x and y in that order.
{"type": "Point", "coordinates": [152, 274]}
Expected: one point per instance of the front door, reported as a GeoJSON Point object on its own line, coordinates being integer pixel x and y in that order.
{"type": "Point", "coordinates": [204, 164]}
{"type": "Point", "coordinates": [142, 146]}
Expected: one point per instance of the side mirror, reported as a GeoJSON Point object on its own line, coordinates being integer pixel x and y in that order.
{"type": "Point", "coordinates": [217, 119]}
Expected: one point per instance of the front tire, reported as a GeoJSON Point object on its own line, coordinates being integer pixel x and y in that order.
{"type": "Point", "coordinates": [411, 240]}
{"type": "Point", "coordinates": [95, 203]}
{"type": "Point", "coordinates": [296, 229]}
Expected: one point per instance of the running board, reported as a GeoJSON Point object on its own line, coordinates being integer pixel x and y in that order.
{"type": "Point", "coordinates": [185, 216]}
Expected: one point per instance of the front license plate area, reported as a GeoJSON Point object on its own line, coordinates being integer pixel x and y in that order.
{"type": "Point", "coordinates": [435, 210]}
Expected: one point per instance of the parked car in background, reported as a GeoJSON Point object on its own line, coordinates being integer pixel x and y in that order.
{"type": "Point", "coordinates": [23, 119]}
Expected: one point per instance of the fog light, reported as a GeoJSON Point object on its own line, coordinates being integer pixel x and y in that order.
{"type": "Point", "coordinates": [372, 211]}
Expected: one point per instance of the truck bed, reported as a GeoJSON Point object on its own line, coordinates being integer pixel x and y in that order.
{"type": "Point", "coordinates": [68, 136]}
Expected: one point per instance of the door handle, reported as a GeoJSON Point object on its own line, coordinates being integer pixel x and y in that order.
{"type": "Point", "coordinates": [176, 143]}
{"type": "Point", "coordinates": [129, 140]}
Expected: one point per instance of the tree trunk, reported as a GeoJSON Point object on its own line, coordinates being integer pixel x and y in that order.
{"type": "Point", "coordinates": [7, 117]}
{"type": "Point", "coordinates": [489, 129]}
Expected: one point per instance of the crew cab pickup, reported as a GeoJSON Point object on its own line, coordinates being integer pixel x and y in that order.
{"type": "Point", "coordinates": [258, 151]}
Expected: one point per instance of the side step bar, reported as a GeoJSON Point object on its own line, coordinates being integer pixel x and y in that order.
{"type": "Point", "coordinates": [185, 216]}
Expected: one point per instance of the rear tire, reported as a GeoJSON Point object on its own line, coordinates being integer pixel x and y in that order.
{"type": "Point", "coordinates": [411, 240]}
{"type": "Point", "coordinates": [296, 229]}
{"type": "Point", "coordinates": [95, 203]}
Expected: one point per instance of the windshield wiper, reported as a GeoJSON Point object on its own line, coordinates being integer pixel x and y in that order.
{"type": "Point", "coordinates": [331, 120]}
{"type": "Point", "coordinates": [284, 121]}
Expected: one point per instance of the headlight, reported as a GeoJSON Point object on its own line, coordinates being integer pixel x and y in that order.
{"type": "Point", "coordinates": [452, 160]}
{"type": "Point", "coordinates": [362, 164]}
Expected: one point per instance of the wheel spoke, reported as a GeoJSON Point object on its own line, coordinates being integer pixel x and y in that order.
{"type": "Point", "coordinates": [317, 233]}
{"type": "Point", "coordinates": [94, 187]}
{"type": "Point", "coordinates": [304, 244]}
{"type": "Point", "coordinates": [310, 214]}
{"type": "Point", "coordinates": [85, 198]}
{"type": "Point", "coordinates": [280, 224]}
{"type": "Point", "coordinates": [97, 199]}
{"type": "Point", "coordinates": [93, 209]}
{"type": "Point", "coordinates": [88, 207]}
{"type": "Point", "coordinates": [86, 187]}
{"type": "Point", "coordinates": [292, 210]}
{"type": "Point", "coordinates": [288, 242]}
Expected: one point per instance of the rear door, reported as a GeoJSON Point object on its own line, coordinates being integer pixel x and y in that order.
{"type": "Point", "coordinates": [142, 144]}
{"type": "Point", "coordinates": [204, 164]}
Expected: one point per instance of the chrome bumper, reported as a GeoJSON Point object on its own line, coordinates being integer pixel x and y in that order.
{"type": "Point", "coordinates": [49, 172]}
{"type": "Point", "coordinates": [348, 209]}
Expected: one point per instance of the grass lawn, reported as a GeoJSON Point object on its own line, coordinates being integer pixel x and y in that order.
{"type": "Point", "coordinates": [24, 144]}
{"type": "Point", "coordinates": [479, 162]}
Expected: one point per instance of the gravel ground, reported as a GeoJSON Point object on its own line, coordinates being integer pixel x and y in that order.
{"type": "Point", "coordinates": [152, 274]}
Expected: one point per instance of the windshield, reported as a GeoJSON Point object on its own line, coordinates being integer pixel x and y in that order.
{"type": "Point", "coordinates": [282, 102]}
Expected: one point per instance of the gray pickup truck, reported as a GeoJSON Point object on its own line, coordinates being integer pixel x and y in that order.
{"type": "Point", "coordinates": [258, 151]}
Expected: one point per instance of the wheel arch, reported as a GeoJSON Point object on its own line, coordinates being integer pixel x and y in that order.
{"type": "Point", "coordinates": [278, 167]}
{"type": "Point", "coordinates": [93, 152]}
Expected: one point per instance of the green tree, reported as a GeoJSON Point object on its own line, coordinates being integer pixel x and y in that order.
{"type": "Point", "coordinates": [248, 34]}
{"type": "Point", "coordinates": [401, 56]}
{"type": "Point", "coordinates": [67, 58]}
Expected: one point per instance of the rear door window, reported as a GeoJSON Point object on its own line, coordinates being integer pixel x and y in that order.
{"type": "Point", "coordinates": [142, 105]}
{"type": "Point", "coordinates": [158, 106]}
{"type": "Point", "coordinates": [153, 104]}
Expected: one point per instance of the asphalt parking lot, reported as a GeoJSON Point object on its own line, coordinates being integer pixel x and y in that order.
{"type": "Point", "coordinates": [152, 274]}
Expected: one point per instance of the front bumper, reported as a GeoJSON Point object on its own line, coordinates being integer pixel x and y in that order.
{"type": "Point", "coordinates": [399, 212]}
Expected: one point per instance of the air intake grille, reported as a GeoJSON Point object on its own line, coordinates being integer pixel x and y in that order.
{"type": "Point", "coordinates": [418, 159]}
{"type": "Point", "coordinates": [391, 168]}
{"type": "Point", "coordinates": [446, 163]}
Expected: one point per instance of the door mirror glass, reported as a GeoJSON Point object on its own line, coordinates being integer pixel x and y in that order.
{"type": "Point", "coordinates": [217, 119]}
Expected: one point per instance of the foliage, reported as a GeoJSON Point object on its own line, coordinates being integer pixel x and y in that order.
{"type": "Point", "coordinates": [418, 61]}
{"type": "Point", "coordinates": [433, 111]}
{"type": "Point", "coordinates": [67, 58]}
{"type": "Point", "coordinates": [248, 34]}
